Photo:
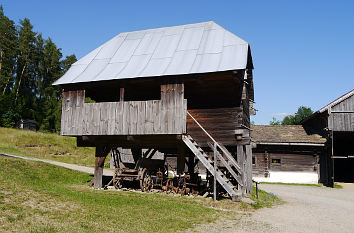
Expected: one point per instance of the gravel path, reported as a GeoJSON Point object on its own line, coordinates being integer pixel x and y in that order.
{"type": "Point", "coordinates": [90, 170]}
{"type": "Point", "coordinates": [306, 209]}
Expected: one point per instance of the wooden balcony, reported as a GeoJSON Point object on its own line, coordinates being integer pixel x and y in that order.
{"type": "Point", "coordinates": [165, 116]}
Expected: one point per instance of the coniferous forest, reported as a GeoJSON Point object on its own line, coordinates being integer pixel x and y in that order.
{"type": "Point", "coordinates": [29, 64]}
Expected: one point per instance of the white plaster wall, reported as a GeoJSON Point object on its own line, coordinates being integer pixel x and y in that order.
{"type": "Point", "coordinates": [289, 177]}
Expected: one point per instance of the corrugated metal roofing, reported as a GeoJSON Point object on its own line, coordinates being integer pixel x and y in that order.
{"type": "Point", "coordinates": [193, 48]}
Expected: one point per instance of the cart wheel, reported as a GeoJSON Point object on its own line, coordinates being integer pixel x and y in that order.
{"type": "Point", "coordinates": [146, 181]}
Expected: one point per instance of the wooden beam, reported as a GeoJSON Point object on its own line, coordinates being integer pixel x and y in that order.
{"type": "Point", "coordinates": [241, 162]}
{"type": "Point", "coordinates": [121, 94]}
{"type": "Point", "coordinates": [181, 157]}
{"type": "Point", "coordinates": [248, 170]}
{"type": "Point", "coordinates": [100, 156]}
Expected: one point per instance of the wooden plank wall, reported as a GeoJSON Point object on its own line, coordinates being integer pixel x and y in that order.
{"type": "Point", "coordinates": [165, 116]}
{"type": "Point", "coordinates": [289, 162]}
{"type": "Point", "coordinates": [220, 123]}
{"type": "Point", "coordinates": [245, 107]}
{"type": "Point", "coordinates": [343, 121]}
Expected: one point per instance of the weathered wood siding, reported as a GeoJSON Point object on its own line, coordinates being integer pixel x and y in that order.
{"type": "Point", "coordinates": [165, 116]}
{"type": "Point", "coordinates": [220, 123]}
{"type": "Point", "coordinates": [342, 121]}
{"type": "Point", "coordinates": [288, 162]}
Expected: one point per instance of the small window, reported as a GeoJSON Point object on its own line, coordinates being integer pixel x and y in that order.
{"type": "Point", "coordinates": [253, 160]}
{"type": "Point", "coordinates": [275, 161]}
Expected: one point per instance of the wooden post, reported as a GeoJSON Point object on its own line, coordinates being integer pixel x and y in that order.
{"type": "Point", "coordinates": [191, 164]}
{"type": "Point", "coordinates": [181, 157]}
{"type": "Point", "coordinates": [121, 94]}
{"type": "Point", "coordinates": [215, 161]}
{"type": "Point", "coordinates": [137, 154]}
{"type": "Point", "coordinates": [100, 156]}
{"type": "Point", "coordinates": [248, 171]}
{"type": "Point", "coordinates": [240, 161]}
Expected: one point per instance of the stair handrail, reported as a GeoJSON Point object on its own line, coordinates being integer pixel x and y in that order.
{"type": "Point", "coordinates": [214, 141]}
{"type": "Point", "coordinates": [203, 129]}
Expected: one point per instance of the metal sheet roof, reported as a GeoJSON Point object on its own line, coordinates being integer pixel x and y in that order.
{"type": "Point", "coordinates": [193, 48]}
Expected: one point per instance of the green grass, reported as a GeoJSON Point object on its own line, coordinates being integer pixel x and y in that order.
{"type": "Point", "coordinates": [264, 199]}
{"type": "Point", "coordinates": [39, 197]}
{"type": "Point", "coordinates": [337, 186]}
{"type": "Point", "coordinates": [45, 146]}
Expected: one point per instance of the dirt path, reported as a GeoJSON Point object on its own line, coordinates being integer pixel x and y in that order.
{"type": "Point", "coordinates": [90, 170]}
{"type": "Point", "coordinates": [306, 209]}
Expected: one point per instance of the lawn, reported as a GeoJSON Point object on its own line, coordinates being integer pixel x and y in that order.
{"type": "Point", "coordinates": [39, 197]}
{"type": "Point", "coordinates": [45, 146]}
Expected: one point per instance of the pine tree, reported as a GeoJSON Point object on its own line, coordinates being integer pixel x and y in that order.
{"type": "Point", "coordinates": [8, 51]}
{"type": "Point", "coordinates": [25, 82]}
{"type": "Point", "coordinates": [50, 94]}
{"type": "Point", "coordinates": [29, 65]}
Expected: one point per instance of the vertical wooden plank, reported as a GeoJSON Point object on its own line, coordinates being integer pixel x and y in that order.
{"type": "Point", "coordinates": [163, 109]}
{"type": "Point", "coordinates": [121, 94]}
{"type": "Point", "coordinates": [170, 108]}
{"type": "Point", "coordinates": [179, 108]}
{"type": "Point", "coordinates": [126, 118]}
{"type": "Point", "coordinates": [72, 111]}
{"type": "Point", "coordinates": [119, 118]}
{"type": "Point", "coordinates": [64, 113]}
{"type": "Point", "coordinates": [156, 116]}
{"type": "Point", "coordinates": [103, 122]}
{"type": "Point", "coordinates": [240, 161]}
{"type": "Point", "coordinates": [184, 116]}
{"type": "Point", "coordinates": [89, 122]}
{"type": "Point", "coordinates": [112, 118]}
{"type": "Point", "coordinates": [248, 169]}
{"type": "Point", "coordinates": [88, 118]}
{"type": "Point", "coordinates": [149, 121]}
{"type": "Point", "coordinates": [96, 118]}
{"type": "Point", "coordinates": [80, 100]}
{"type": "Point", "coordinates": [133, 114]}
{"type": "Point", "coordinates": [79, 111]}
{"type": "Point", "coordinates": [141, 111]}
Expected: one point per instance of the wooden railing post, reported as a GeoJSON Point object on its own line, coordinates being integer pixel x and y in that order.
{"type": "Point", "coordinates": [215, 160]}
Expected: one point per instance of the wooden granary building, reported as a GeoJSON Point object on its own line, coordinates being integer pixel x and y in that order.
{"type": "Point", "coordinates": [184, 91]}
{"type": "Point", "coordinates": [335, 121]}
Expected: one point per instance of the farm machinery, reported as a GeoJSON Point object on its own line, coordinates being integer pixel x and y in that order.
{"type": "Point", "coordinates": [152, 173]}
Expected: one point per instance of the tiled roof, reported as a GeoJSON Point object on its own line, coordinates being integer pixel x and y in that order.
{"type": "Point", "coordinates": [284, 134]}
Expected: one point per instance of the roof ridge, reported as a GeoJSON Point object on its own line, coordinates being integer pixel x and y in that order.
{"type": "Point", "coordinates": [336, 101]}
{"type": "Point", "coordinates": [183, 25]}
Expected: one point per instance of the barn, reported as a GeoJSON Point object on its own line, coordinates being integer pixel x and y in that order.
{"type": "Point", "coordinates": [184, 91]}
{"type": "Point", "coordinates": [287, 154]}
{"type": "Point", "coordinates": [336, 122]}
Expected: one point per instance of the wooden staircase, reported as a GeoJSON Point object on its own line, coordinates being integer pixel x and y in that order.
{"type": "Point", "coordinates": [224, 167]}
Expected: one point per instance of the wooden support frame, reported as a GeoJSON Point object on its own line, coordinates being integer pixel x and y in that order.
{"type": "Point", "coordinates": [100, 156]}
{"type": "Point", "coordinates": [181, 158]}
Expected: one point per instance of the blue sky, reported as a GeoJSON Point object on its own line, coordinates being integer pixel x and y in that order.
{"type": "Point", "coordinates": [303, 51]}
